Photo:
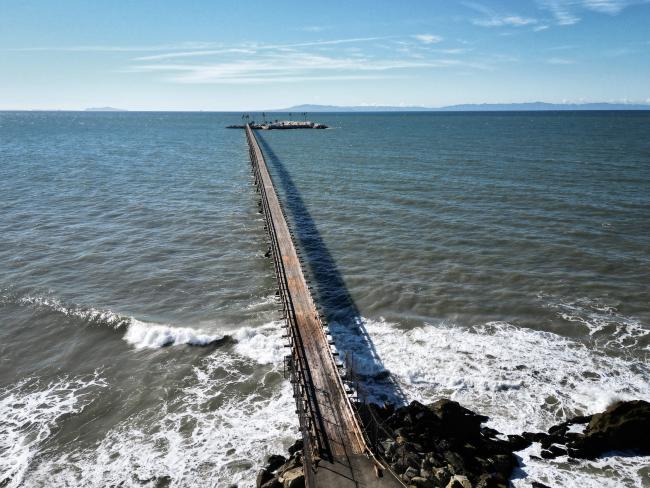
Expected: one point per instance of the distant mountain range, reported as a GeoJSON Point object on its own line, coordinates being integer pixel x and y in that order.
{"type": "Point", "coordinates": [483, 107]}
{"type": "Point", "coordinates": [104, 109]}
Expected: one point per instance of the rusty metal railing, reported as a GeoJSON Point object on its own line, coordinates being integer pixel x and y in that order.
{"type": "Point", "coordinates": [300, 377]}
{"type": "Point", "coordinates": [307, 407]}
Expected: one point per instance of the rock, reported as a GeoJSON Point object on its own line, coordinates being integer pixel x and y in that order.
{"type": "Point", "coordinates": [411, 472]}
{"type": "Point", "coordinates": [404, 458]}
{"type": "Point", "coordinates": [623, 426]}
{"type": "Point", "coordinates": [459, 481]}
{"type": "Point", "coordinates": [161, 482]}
{"type": "Point", "coordinates": [263, 476]}
{"type": "Point", "coordinates": [274, 483]}
{"type": "Point", "coordinates": [455, 462]}
{"type": "Point", "coordinates": [389, 447]}
{"type": "Point", "coordinates": [294, 463]}
{"type": "Point", "coordinates": [537, 484]}
{"type": "Point", "coordinates": [504, 463]}
{"type": "Point", "coordinates": [534, 436]}
{"type": "Point", "coordinates": [488, 432]}
{"type": "Point", "coordinates": [546, 454]}
{"type": "Point", "coordinates": [441, 476]}
{"type": "Point", "coordinates": [420, 482]}
{"type": "Point", "coordinates": [557, 450]}
{"type": "Point", "coordinates": [296, 447]}
{"type": "Point", "coordinates": [493, 480]}
{"type": "Point", "coordinates": [518, 442]}
{"type": "Point", "coordinates": [457, 419]}
{"type": "Point", "coordinates": [274, 462]}
{"type": "Point", "coordinates": [294, 478]}
{"type": "Point", "coordinates": [444, 439]}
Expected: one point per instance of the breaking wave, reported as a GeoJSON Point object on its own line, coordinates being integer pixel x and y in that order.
{"type": "Point", "coordinates": [522, 379]}
{"type": "Point", "coordinates": [234, 410]}
{"type": "Point", "coordinates": [139, 334]}
{"type": "Point", "coordinates": [606, 326]}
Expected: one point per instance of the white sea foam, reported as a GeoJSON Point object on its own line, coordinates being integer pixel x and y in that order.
{"type": "Point", "coordinates": [138, 333]}
{"type": "Point", "coordinates": [217, 431]}
{"type": "Point", "coordinates": [236, 409]}
{"type": "Point", "coordinates": [89, 314]}
{"type": "Point", "coordinates": [29, 411]}
{"type": "Point", "coordinates": [612, 471]}
{"type": "Point", "coordinates": [262, 303]}
{"type": "Point", "coordinates": [604, 323]}
{"type": "Point", "coordinates": [263, 344]}
{"type": "Point", "coordinates": [523, 379]}
{"type": "Point", "coordinates": [148, 335]}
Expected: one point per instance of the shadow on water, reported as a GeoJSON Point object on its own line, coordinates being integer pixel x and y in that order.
{"type": "Point", "coordinates": [335, 302]}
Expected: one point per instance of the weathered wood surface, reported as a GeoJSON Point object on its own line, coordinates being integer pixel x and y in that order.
{"type": "Point", "coordinates": [338, 448]}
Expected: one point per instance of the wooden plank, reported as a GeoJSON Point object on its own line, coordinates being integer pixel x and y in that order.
{"type": "Point", "coordinates": [345, 459]}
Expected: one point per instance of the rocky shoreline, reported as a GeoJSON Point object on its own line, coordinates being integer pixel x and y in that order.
{"type": "Point", "coordinates": [282, 472]}
{"type": "Point", "coordinates": [445, 445]}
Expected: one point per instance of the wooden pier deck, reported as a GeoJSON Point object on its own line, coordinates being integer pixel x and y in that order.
{"type": "Point", "coordinates": [335, 450]}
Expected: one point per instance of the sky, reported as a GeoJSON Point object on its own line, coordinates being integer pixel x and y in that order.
{"type": "Point", "coordinates": [256, 55]}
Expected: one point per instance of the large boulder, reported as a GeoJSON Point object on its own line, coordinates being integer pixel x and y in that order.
{"type": "Point", "coordinates": [623, 426]}
{"type": "Point", "coordinates": [274, 462]}
{"type": "Point", "coordinates": [263, 476]}
{"type": "Point", "coordinates": [294, 478]}
{"type": "Point", "coordinates": [296, 447]}
{"type": "Point", "coordinates": [459, 481]}
{"type": "Point", "coordinates": [456, 419]}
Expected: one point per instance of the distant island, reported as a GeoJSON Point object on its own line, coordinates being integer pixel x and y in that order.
{"type": "Point", "coordinates": [104, 109]}
{"type": "Point", "coordinates": [482, 107]}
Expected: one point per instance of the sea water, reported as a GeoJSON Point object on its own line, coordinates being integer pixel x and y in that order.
{"type": "Point", "coordinates": [500, 259]}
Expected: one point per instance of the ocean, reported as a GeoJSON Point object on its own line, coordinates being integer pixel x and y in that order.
{"type": "Point", "coordinates": [499, 259]}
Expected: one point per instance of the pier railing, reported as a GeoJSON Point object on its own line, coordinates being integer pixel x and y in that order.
{"type": "Point", "coordinates": [295, 363]}
{"type": "Point", "coordinates": [333, 434]}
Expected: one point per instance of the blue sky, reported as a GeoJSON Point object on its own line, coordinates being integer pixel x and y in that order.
{"type": "Point", "coordinates": [221, 55]}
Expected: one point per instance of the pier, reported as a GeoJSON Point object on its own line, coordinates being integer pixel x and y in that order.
{"type": "Point", "coordinates": [281, 125]}
{"type": "Point", "coordinates": [336, 452]}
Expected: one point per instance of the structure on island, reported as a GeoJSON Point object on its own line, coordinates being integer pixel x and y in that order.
{"type": "Point", "coordinates": [282, 124]}
{"type": "Point", "coordinates": [277, 124]}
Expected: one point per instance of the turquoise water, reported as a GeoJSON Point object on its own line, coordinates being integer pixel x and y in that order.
{"type": "Point", "coordinates": [501, 259]}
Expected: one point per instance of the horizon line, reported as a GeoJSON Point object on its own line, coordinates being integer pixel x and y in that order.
{"type": "Point", "coordinates": [357, 108]}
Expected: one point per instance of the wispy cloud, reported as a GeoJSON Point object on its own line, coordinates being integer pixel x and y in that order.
{"type": "Point", "coordinates": [454, 50]}
{"type": "Point", "coordinates": [357, 58]}
{"type": "Point", "coordinates": [100, 48]}
{"type": "Point", "coordinates": [611, 7]}
{"type": "Point", "coordinates": [273, 66]}
{"type": "Point", "coordinates": [428, 38]}
{"type": "Point", "coordinates": [562, 47]}
{"type": "Point", "coordinates": [191, 54]}
{"type": "Point", "coordinates": [567, 12]}
{"type": "Point", "coordinates": [562, 61]}
{"type": "Point", "coordinates": [492, 18]}
{"type": "Point", "coordinates": [252, 48]}
{"type": "Point", "coordinates": [562, 11]}
{"type": "Point", "coordinates": [618, 52]}
{"type": "Point", "coordinates": [313, 28]}
{"type": "Point", "coordinates": [505, 20]}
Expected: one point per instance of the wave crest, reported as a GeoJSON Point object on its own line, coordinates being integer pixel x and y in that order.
{"type": "Point", "coordinates": [139, 333]}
